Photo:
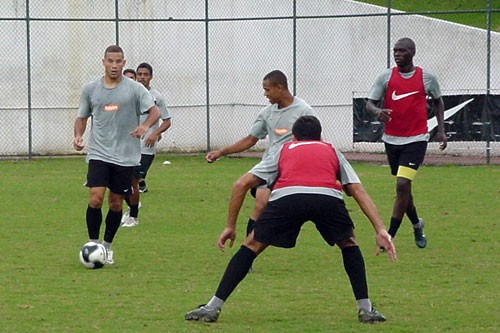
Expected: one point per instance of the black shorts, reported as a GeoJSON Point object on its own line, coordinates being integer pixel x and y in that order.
{"type": "Point", "coordinates": [410, 155]}
{"type": "Point", "coordinates": [280, 222]}
{"type": "Point", "coordinates": [141, 171]}
{"type": "Point", "coordinates": [115, 177]}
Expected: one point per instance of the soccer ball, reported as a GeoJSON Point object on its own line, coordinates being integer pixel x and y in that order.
{"type": "Point", "coordinates": [93, 255]}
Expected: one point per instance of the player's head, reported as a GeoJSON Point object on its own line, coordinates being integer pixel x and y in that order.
{"type": "Point", "coordinates": [130, 73]}
{"type": "Point", "coordinates": [307, 128]}
{"type": "Point", "coordinates": [274, 84]}
{"type": "Point", "coordinates": [404, 51]}
{"type": "Point", "coordinates": [113, 62]}
{"type": "Point", "coordinates": [144, 73]}
{"type": "Point", "coordinates": [276, 77]}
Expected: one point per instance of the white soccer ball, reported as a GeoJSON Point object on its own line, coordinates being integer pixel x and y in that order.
{"type": "Point", "coordinates": [93, 255]}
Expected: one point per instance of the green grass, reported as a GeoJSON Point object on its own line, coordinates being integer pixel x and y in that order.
{"type": "Point", "coordinates": [473, 19]}
{"type": "Point", "coordinates": [169, 264]}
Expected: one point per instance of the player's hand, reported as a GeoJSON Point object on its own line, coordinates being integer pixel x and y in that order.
{"type": "Point", "coordinates": [213, 156]}
{"type": "Point", "coordinates": [78, 143]}
{"type": "Point", "coordinates": [443, 143]}
{"type": "Point", "coordinates": [139, 131]}
{"type": "Point", "coordinates": [227, 234]}
{"type": "Point", "coordinates": [151, 140]}
{"type": "Point", "coordinates": [384, 115]}
{"type": "Point", "coordinates": [384, 241]}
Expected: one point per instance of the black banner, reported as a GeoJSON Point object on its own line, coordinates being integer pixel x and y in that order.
{"type": "Point", "coordinates": [477, 120]}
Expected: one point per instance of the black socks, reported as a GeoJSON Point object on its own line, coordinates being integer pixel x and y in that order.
{"type": "Point", "coordinates": [113, 220]}
{"type": "Point", "coordinates": [236, 270]}
{"type": "Point", "coordinates": [354, 265]}
{"type": "Point", "coordinates": [94, 221]}
{"type": "Point", "coordinates": [393, 228]}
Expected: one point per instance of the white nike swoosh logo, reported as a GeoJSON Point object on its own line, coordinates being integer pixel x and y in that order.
{"type": "Point", "coordinates": [293, 145]}
{"type": "Point", "coordinates": [398, 97]}
{"type": "Point", "coordinates": [432, 123]}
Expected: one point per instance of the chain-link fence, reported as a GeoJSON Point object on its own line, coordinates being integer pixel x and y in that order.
{"type": "Point", "coordinates": [209, 58]}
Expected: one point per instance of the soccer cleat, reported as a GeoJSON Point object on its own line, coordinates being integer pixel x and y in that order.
{"type": "Point", "coordinates": [142, 187]}
{"type": "Point", "coordinates": [109, 257]}
{"type": "Point", "coordinates": [126, 216]}
{"type": "Point", "coordinates": [204, 313]}
{"type": "Point", "coordinates": [131, 222]}
{"type": "Point", "coordinates": [420, 239]}
{"type": "Point", "coordinates": [372, 316]}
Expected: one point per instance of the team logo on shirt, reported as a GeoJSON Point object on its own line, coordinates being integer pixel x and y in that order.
{"type": "Point", "coordinates": [398, 97]}
{"type": "Point", "coordinates": [281, 131]}
{"type": "Point", "coordinates": [110, 108]}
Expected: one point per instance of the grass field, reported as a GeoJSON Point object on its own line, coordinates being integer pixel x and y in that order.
{"type": "Point", "coordinates": [169, 264]}
{"type": "Point", "coordinates": [477, 20]}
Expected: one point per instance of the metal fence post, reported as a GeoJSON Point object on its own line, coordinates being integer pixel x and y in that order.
{"type": "Point", "coordinates": [207, 74]}
{"type": "Point", "coordinates": [28, 67]}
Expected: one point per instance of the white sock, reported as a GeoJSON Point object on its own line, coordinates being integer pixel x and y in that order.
{"type": "Point", "coordinates": [365, 304]}
{"type": "Point", "coordinates": [215, 302]}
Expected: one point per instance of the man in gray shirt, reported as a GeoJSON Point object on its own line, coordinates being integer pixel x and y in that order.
{"type": "Point", "coordinates": [274, 121]}
{"type": "Point", "coordinates": [115, 105]}
{"type": "Point", "coordinates": [149, 145]}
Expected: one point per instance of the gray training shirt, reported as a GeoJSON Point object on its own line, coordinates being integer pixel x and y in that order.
{"type": "Point", "coordinates": [115, 114]}
{"type": "Point", "coordinates": [164, 115]}
{"type": "Point", "coordinates": [277, 124]}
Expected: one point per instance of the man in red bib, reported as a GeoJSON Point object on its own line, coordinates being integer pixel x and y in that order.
{"type": "Point", "coordinates": [309, 176]}
{"type": "Point", "coordinates": [405, 89]}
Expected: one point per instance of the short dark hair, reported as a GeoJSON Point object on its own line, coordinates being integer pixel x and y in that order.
{"type": "Point", "coordinates": [113, 49]}
{"type": "Point", "coordinates": [408, 42]}
{"type": "Point", "coordinates": [147, 66]}
{"type": "Point", "coordinates": [129, 70]}
{"type": "Point", "coordinates": [277, 77]}
{"type": "Point", "coordinates": [307, 128]}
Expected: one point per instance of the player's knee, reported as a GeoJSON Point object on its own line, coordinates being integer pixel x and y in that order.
{"type": "Point", "coordinates": [255, 246]}
{"type": "Point", "coordinates": [245, 182]}
{"type": "Point", "coordinates": [403, 186]}
{"type": "Point", "coordinates": [347, 243]}
{"type": "Point", "coordinates": [96, 201]}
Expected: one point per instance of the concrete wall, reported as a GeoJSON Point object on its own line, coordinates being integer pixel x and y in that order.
{"type": "Point", "coordinates": [337, 59]}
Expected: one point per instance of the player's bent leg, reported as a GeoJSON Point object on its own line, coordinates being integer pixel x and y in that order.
{"type": "Point", "coordinates": [239, 190]}
{"type": "Point", "coordinates": [403, 191]}
{"type": "Point", "coordinates": [261, 198]}
{"type": "Point", "coordinates": [246, 182]}
{"type": "Point", "coordinates": [354, 266]}
{"type": "Point", "coordinates": [254, 245]}
{"type": "Point", "coordinates": [236, 271]}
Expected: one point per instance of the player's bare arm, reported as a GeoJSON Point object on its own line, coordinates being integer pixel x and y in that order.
{"type": "Point", "coordinates": [155, 136]}
{"type": "Point", "coordinates": [382, 115]}
{"type": "Point", "coordinates": [79, 129]}
{"type": "Point", "coordinates": [441, 136]}
{"type": "Point", "coordinates": [153, 116]}
{"type": "Point", "coordinates": [237, 147]}
{"type": "Point", "coordinates": [240, 188]}
{"type": "Point", "coordinates": [383, 239]}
